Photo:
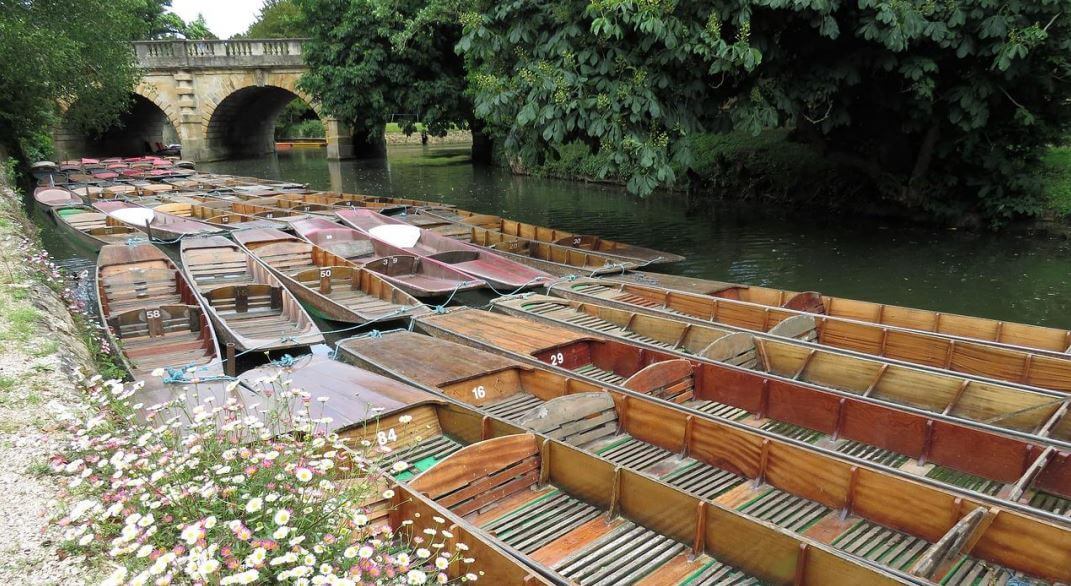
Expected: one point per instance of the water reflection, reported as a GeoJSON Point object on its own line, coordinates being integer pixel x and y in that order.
{"type": "Point", "coordinates": [1006, 276]}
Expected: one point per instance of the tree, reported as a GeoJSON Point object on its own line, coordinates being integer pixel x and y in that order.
{"type": "Point", "coordinates": [627, 79]}
{"type": "Point", "coordinates": [372, 59]}
{"type": "Point", "coordinates": [54, 52]}
{"type": "Point", "coordinates": [197, 29]}
{"type": "Point", "coordinates": [277, 19]}
{"type": "Point", "coordinates": [946, 105]}
{"type": "Point", "coordinates": [157, 21]}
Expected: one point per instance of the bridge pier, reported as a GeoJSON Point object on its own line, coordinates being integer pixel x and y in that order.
{"type": "Point", "coordinates": [339, 139]}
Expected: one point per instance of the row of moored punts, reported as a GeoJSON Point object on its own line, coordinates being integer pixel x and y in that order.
{"type": "Point", "coordinates": [596, 423]}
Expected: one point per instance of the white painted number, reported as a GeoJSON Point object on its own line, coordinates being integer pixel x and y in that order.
{"type": "Point", "coordinates": [385, 437]}
{"type": "Point", "coordinates": [325, 273]}
{"type": "Point", "coordinates": [557, 359]}
{"type": "Point", "coordinates": [479, 392]}
{"type": "Point", "coordinates": [225, 220]}
{"type": "Point", "coordinates": [152, 314]}
{"type": "Point", "coordinates": [576, 241]}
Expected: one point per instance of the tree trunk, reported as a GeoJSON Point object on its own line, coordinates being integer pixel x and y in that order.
{"type": "Point", "coordinates": [482, 143]}
{"type": "Point", "coordinates": [369, 145]}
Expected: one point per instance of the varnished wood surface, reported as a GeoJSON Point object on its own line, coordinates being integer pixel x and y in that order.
{"type": "Point", "coordinates": [1017, 335]}
{"type": "Point", "coordinates": [494, 269]}
{"type": "Point", "coordinates": [1022, 410]}
{"type": "Point", "coordinates": [893, 501]}
{"type": "Point", "coordinates": [1046, 371]}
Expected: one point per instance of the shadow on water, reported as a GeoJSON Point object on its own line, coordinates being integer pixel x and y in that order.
{"type": "Point", "coordinates": [1003, 276]}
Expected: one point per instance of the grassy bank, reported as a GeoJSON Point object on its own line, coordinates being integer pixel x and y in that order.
{"type": "Point", "coordinates": [42, 344]}
{"type": "Point", "coordinates": [1057, 179]}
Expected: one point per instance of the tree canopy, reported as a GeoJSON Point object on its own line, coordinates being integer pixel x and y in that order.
{"type": "Point", "coordinates": [54, 52]}
{"type": "Point", "coordinates": [945, 106]}
{"type": "Point", "coordinates": [277, 19]}
{"type": "Point", "coordinates": [375, 61]}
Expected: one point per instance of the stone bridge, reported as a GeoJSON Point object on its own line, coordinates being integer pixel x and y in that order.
{"type": "Point", "coordinates": [219, 99]}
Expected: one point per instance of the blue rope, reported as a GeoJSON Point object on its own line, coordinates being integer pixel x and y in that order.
{"type": "Point", "coordinates": [284, 361]}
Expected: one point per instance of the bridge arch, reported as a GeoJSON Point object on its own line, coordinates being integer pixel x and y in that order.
{"type": "Point", "coordinates": [147, 125]}
{"type": "Point", "coordinates": [242, 123]}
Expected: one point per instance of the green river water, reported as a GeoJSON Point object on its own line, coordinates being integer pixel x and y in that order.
{"type": "Point", "coordinates": [1004, 276]}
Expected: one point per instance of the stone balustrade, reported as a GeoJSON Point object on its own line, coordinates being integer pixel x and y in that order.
{"type": "Point", "coordinates": [183, 54]}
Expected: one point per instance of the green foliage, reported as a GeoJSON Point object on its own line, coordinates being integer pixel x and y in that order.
{"type": "Point", "coordinates": [298, 120]}
{"type": "Point", "coordinates": [372, 59]}
{"type": "Point", "coordinates": [277, 19]}
{"type": "Point", "coordinates": [197, 29]}
{"type": "Point", "coordinates": [1057, 179]}
{"type": "Point", "coordinates": [155, 21]}
{"type": "Point", "coordinates": [625, 78]}
{"type": "Point", "coordinates": [54, 52]}
{"type": "Point", "coordinates": [947, 106]}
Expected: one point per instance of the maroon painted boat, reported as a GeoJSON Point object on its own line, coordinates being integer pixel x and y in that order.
{"type": "Point", "coordinates": [497, 271]}
{"type": "Point", "coordinates": [157, 224]}
{"type": "Point", "coordinates": [419, 277]}
{"type": "Point", "coordinates": [55, 197]}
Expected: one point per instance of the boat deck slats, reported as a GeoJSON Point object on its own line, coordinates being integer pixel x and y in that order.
{"type": "Point", "coordinates": [514, 406]}
{"type": "Point", "coordinates": [578, 318]}
{"type": "Point", "coordinates": [795, 432]}
{"type": "Point", "coordinates": [592, 371]}
{"type": "Point", "coordinates": [622, 556]}
{"type": "Point", "coordinates": [872, 454]}
{"type": "Point", "coordinates": [224, 279]}
{"type": "Point", "coordinates": [703, 480]}
{"type": "Point", "coordinates": [964, 480]}
{"type": "Point", "coordinates": [132, 331]}
{"type": "Point", "coordinates": [785, 510]}
{"type": "Point", "coordinates": [633, 453]}
{"type": "Point", "coordinates": [717, 573]}
{"type": "Point", "coordinates": [719, 409]}
{"type": "Point", "coordinates": [1051, 502]}
{"type": "Point", "coordinates": [880, 544]}
{"type": "Point", "coordinates": [974, 572]}
{"type": "Point", "coordinates": [420, 456]}
{"type": "Point", "coordinates": [542, 521]}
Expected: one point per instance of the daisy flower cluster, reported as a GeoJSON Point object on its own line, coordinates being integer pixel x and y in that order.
{"type": "Point", "coordinates": [236, 494]}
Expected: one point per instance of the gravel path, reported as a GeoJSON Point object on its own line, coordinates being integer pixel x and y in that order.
{"type": "Point", "coordinates": [39, 348]}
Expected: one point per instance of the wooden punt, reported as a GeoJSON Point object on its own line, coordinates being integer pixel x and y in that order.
{"type": "Point", "coordinates": [358, 402]}
{"type": "Point", "coordinates": [493, 269]}
{"type": "Point", "coordinates": [965, 458]}
{"type": "Point", "coordinates": [158, 225]}
{"type": "Point", "coordinates": [555, 236]}
{"type": "Point", "coordinates": [248, 305]}
{"type": "Point", "coordinates": [857, 509]}
{"type": "Point", "coordinates": [583, 520]}
{"type": "Point", "coordinates": [330, 285]}
{"type": "Point", "coordinates": [419, 277]}
{"type": "Point", "coordinates": [552, 258]}
{"type": "Point", "coordinates": [923, 348]}
{"type": "Point", "coordinates": [152, 314]}
{"type": "Point", "coordinates": [55, 197]}
{"type": "Point", "coordinates": [364, 201]}
{"type": "Point", "coordinates": [1039, 339]}
{"type": "Point", "coordinates": [788, 353]}
{"type": "Point", "coordinates": [222, 217]}
{"type": "Point", "coordinates": [92, 228]}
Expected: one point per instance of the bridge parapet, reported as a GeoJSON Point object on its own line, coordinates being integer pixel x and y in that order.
{"type": "Point", "coordinates": [183, 54]}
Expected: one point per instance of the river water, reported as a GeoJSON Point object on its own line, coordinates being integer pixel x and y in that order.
{"type": "Point", "coordinates": [1002, 276]}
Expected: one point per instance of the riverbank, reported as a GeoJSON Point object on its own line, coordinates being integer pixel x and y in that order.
{"type": "Point", "coordinates": [770, 169]}
{"type": "Point", "coordinates": [42, 346]}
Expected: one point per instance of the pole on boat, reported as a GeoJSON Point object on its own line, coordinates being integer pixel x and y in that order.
{"type": "Point", "coordinates": [148, 229]}
{"type": "Point", "coordinates": [229, 367]}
